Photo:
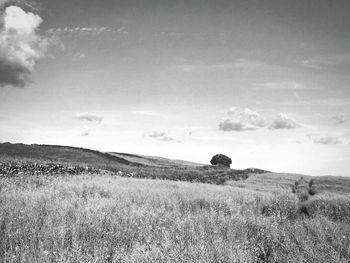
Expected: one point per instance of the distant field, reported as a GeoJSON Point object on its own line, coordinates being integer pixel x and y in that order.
{"type": "Point", "coordinates": [103, 218]}
{"type": "Point", "coordinates": [284, 181]}
{"type": "Point", "coordinates": [269, 181]}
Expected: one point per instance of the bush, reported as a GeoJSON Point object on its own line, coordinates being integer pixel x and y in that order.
{"type": "Point", "coordinates": [221, 159]}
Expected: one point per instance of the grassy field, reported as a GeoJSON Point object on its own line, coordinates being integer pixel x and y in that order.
{"type": "Point", "coordinates": [103, 218]}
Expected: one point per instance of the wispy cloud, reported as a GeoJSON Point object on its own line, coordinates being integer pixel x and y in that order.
{"type": "Point", "coordinates": [90, 117]}
{"type": "Point", "coordinates": [85, 132]}
{"type": "Point", "coordinates": [79, 56]}
{"type": "Point", "coordinates": [91, 120]}
{"type": "Point", "coordinates": [21, 47]}
{"type": "Point", "coordinates": [326, 61]}
{"type": "Point", "coordinates": [122, 30]}
{"type": "Point", "coordinates": [87, 30]}
{"type": "Point", "coordinates": [238, 64]}
{"type": "Point", "coordinates": [160, 136]}
{"type": "Point", "coordinates": [284, 85]}
{"type": "Point", "coordinates": [339, 118]}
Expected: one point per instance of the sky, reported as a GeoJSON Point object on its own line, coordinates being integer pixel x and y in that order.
{"type": "Point", "coordinates": [265, 82]}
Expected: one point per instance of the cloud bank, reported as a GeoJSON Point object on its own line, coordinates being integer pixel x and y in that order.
{"type": "Point", "coordinates": [90, 117]}
{"type": "Point", "coordinates": [21, 47]}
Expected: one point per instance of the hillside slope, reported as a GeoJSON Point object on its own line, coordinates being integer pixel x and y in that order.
{"type": "Point", "coordinates": [64, 154]}
{"type": "Point", "coordinates": [154, 160]}
{"type": "Point", "coordinates": [81, 156]}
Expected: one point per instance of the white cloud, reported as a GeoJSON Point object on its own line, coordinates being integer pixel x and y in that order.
{"type": "Point", "coordinates": [327, 139]}
{"type": "Point", "coordinates": [249, 120]}
{"type": "Point", "coordinates": [160, 136]}
{"type": "Point", "coordinates": [89, 117]}
{"type": "Point", "coordinates": [339, 118]}
{"type": "Point", "coordinates": [246, 120]}
{"type": "Point", "coordinates": [282, 121]}
{"type": "Point", "coordinates": [21, 47]}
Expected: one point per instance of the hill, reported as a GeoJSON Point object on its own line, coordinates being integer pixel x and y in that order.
{"type": "Point", "coordinates": [82, 156]}
{"type": "Point", "coordinates": [123, 164]}
{"type": "Point", "coordinates": [64, 154]}
{"type": "Point", "coordinates": [132, 165]}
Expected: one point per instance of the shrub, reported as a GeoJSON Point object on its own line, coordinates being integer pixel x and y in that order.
{"type": "Point", "coordinates": [221, 159]}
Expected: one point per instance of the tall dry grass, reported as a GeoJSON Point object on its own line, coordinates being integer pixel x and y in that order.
{"type": "Point", "coordinates": [109, 219]}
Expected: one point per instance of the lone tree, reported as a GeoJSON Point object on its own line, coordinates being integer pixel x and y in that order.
{"type": "Point", "coordinates": [221, 159]}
